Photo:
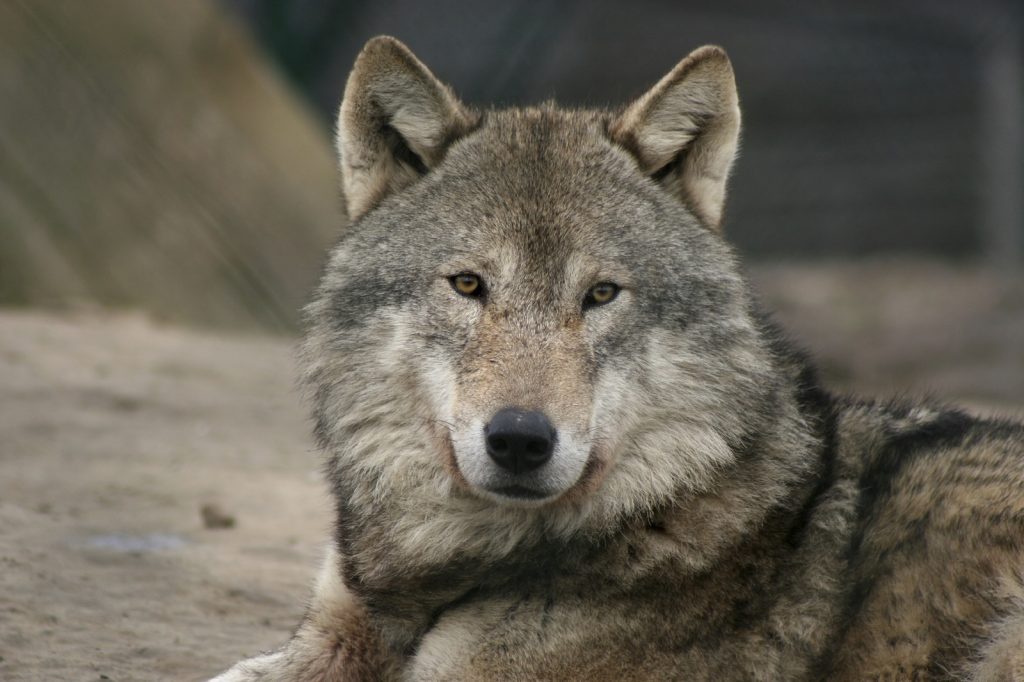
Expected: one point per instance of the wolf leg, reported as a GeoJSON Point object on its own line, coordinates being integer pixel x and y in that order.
{"type": "Point", "coordinates": [335, 642]}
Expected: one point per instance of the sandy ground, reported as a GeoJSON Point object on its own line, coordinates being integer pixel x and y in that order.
{"type": "Point", "coordinates": [115, 431]}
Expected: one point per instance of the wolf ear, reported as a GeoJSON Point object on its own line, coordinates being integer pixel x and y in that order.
{"type": "Point", "coordinates": [396, 122]}
{"type": "Point", "coordinates": [684, 131]}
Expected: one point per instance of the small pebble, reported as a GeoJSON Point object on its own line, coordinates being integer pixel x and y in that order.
{"type": "Point", "coordinates": [215, 517]}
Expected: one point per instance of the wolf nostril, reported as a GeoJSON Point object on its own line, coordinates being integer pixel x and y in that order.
{"type": "Point", "coordinates": [519, 440]}
{"type": "Point", "coordinates": [537, 447]}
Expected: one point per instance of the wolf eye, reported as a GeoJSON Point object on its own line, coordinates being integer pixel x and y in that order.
{"type": "Point", "coordinates": [600, 293]}
{"type": "Point", "coordinates": [467, 284]}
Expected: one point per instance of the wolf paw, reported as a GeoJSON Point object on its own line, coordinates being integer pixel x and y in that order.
{"type": "Point", "coordinates": [266, 667]}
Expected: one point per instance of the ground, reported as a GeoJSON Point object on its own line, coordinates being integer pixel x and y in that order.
{"type": "Point", "coordinates": [117, 431]}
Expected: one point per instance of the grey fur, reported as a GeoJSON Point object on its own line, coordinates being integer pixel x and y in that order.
{"type": "Point", "coordinates": [713, 514]}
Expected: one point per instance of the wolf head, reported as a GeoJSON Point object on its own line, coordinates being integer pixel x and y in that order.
{"type": "Point", "coordinates": [533, 316]}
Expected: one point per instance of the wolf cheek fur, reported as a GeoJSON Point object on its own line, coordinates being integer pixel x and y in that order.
{"type": "Point", "coordinates": [706, 510]}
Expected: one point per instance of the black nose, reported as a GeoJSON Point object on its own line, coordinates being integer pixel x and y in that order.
{"type": "Point", "coordinates": [519, 440]}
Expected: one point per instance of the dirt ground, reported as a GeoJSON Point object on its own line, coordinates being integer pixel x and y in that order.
{"type": "Point", "coordinates": [116, 431]}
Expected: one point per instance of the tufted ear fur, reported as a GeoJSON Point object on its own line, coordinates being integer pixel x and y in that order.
{"type": "Point", "coordinates": [684, 131]}
{"type": "Point", "coordinates": [395, 124]}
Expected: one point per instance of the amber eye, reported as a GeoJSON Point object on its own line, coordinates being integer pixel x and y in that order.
{"type": "Point", "coordinates": [467, 284]}
{"type": "Point", "coordinates": [601, 293]}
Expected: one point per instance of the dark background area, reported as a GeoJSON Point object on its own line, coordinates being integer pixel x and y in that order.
{"type": "Point", "coordinates": [870, 127]}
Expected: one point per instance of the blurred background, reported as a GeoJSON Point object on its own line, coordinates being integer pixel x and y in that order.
{"type": "Point", "coordinates": [870, 127]}
{"type": "Point", "coordinates": [168, 195]}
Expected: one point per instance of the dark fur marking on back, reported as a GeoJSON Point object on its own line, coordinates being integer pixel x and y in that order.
{"type": "Point", "coordinates": [950, 428]}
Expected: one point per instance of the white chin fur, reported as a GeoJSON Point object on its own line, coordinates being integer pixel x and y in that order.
{"type": "Point", "coordinates": [548, 482]}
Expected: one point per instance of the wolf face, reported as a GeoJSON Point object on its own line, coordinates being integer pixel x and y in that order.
{"type": "Point", "coordinates": [524, 296]}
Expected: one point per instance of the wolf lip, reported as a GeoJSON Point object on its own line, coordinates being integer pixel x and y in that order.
{"type": "Point", "coordinates": [520, 492]}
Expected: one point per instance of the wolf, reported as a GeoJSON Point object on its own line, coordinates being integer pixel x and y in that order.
{"type": "Point", "coordinates": [565, 443]}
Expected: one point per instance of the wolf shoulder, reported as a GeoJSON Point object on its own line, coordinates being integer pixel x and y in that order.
{"type": "Point", "coordinates": [932, 464]}
{"type": "Point", "coordinates": [936, 555]}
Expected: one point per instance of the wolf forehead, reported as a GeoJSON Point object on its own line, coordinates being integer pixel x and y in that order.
{"type": "Point", "coordinates": [542, 186]}
{"type": "Point", "coordinates": [432, 185]}
{"type": "Point", "coordinates": [543, 179]}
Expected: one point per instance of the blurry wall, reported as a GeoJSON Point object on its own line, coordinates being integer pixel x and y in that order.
{"type": "Point", "coordinates": [869, 126]}
{"type": "Point", "coordinates": [151, 158]}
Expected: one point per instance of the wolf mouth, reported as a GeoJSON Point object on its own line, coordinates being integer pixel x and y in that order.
{"type": "Point", "coordinates": [520, 492]}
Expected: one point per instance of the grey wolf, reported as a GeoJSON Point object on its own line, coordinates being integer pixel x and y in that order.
{"type": "Point", "coordinates": [565, 443]}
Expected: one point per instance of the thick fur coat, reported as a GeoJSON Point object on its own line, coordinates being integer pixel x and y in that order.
{"type": "Point", "coordinates": [708, 511]}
